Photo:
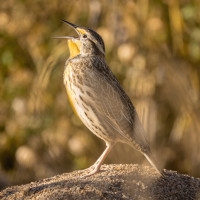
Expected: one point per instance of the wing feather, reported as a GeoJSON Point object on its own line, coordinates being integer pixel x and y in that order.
{"type": "Point", "coordinates": [111, 102]}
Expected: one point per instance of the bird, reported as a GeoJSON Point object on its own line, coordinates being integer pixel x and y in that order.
{"type": "Point", "coordinates": [97, 97]}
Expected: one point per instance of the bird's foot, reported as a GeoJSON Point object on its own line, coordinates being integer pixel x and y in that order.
{"type": "Point", "coordinates": [91, 171]}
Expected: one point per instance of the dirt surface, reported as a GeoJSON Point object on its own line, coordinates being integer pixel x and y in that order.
{"type": "Point", "coordinates": [112, 182]}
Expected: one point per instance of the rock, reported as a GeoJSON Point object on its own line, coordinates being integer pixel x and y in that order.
{"type": "Point", "coordinates": [112, 182]}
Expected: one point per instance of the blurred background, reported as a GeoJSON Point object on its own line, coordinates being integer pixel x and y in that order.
{"type": "Point", "coordinates": [153, 48]}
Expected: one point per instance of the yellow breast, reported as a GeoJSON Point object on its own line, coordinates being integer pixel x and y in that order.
{"type": "Point", "coordinates": [70, 92]}
{"type": "Point", "coordinates": [74, 48]}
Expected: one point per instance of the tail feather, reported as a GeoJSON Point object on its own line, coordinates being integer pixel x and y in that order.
{"type": "Point", "coordinates": [152, 161]}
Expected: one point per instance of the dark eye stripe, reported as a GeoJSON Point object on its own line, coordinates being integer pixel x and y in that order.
{"type": "Point", "coordinates": [84, 36]}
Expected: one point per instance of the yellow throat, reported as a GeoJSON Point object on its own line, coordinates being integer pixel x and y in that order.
{"type": "Point", "coordinates": [73, 48]}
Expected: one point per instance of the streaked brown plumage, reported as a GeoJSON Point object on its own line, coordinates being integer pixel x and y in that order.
{"type": "Point", "coordinates": [98, 98]}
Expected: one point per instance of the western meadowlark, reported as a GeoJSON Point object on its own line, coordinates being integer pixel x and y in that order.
{"type": "Point", "coordinates": [97, 97]}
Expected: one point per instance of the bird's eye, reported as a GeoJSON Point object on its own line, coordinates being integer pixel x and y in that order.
{"type": "Point", "coordinates": [84, 36]}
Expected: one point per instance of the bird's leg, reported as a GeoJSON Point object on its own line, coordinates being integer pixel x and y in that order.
{"type": "Point", "coordinates": [96, 166]}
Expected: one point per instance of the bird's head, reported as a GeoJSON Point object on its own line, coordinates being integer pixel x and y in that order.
{"type": "Point", "coordinates": [88, 42]}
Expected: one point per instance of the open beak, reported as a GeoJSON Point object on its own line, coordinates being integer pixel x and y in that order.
{"type": "Point", "coordinates": [69, 37]}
